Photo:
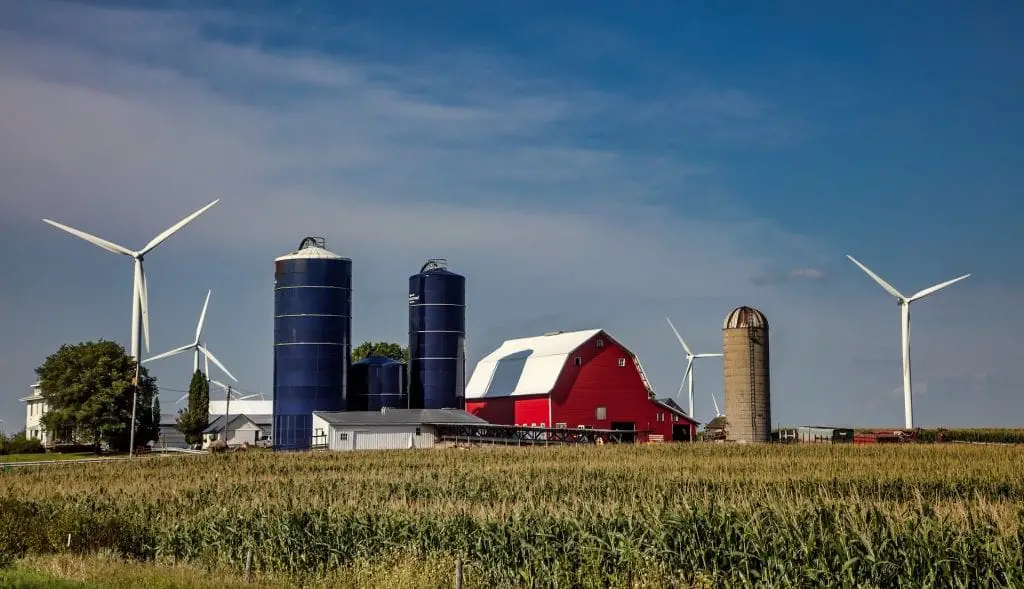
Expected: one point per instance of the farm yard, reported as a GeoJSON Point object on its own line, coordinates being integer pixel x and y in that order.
{"type": "Point", "coordinates": [644, 516]}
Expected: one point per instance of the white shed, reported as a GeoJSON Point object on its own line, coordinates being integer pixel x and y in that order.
{"type": "Point", "coordinates": [387, 429]}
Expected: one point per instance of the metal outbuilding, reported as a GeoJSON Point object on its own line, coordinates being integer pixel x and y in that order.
{"type": "Point", "coordinates": [387, 429]}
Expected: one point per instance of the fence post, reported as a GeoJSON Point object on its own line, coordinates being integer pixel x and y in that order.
{"type": "Point", "coordinates": [69, 539]}
{"type": "Point", "coordinates": [458, 574]}
{"type": "Point", "coordinates": [248, 566]}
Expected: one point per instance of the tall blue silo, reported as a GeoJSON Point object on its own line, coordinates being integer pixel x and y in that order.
{"type": "Point", "coordinates": [375, 382]}
{"type": "Point", "coordinates": [437, 337]}
{"type": "Point", "coordinates": [312, 339]}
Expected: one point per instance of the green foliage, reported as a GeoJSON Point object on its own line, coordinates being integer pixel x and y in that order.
{"type": "Point", "coordinates": [688, 515]}
{"type": "Point", "coordinates": [386, 349]}
{"type": "Point", "coordinates": [88, 388]}
{"type": "Point", "coordinates": [193, 419]}
{"type": "Point", "coordinates": [19, 443]}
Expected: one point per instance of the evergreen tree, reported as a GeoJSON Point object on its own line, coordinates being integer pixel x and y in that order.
{"type": "Point", "coordinates": [193, 419]}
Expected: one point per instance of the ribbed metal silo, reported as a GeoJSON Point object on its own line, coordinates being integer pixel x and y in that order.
{"type": "Point", "coordinates": [747, 376]}
{"type": "Point", "coordinates": [376, 382]}
{"type": "Point", "coordinates": [437, 337]}
{"type": "Point", "coordinates": [312, 339]}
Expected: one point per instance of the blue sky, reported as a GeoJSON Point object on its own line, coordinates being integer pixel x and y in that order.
{"type": "Point", "coordinates": [586, 166]}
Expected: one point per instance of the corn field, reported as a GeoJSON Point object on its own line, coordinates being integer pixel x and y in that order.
{"type": "Point", "coordinates": [611, 516]}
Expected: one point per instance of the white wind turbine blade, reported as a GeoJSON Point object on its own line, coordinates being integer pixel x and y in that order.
{"type": "Point", "coordinates": [202, 317]}
{"type": "Point", "coordinates": [707, 355]}
{"type": "Point", "coordinates": [181, 398]}
{"type": "Point", "coordinates": [679, 337]}
{"type": "Point", "coordinates": [888, 287]}
{"type": "Point", "coordinates": [933, 289]}
{"type": "Point", "coordinates": [217, 362]}
{"type": "Point", "coordinates": [103, 243]}
{"type": "Point", "coordinates": [173, 229]}
{"type": "Point", "coordinates": [248, 396]}
{"type": "Point", "coordinates": [718, 412]}
{"type": "Point", "coordinates": [143, 290]}
{"type": "Point", "coordinates": [170, 353]}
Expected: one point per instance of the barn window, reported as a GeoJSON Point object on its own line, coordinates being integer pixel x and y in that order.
{"type": "Point", "coordinates": [418, 432]}
{"type": "Point", "coordinates": [561, 425]}
{"type": "Point", "coordinates": [602, 413]}
{"type": "Point", "coordinates": [578, 361]}
{"type": "Point", "coordinates": [599, 343]}
{"type": "Point", "coordinates": [342, 436]}
{"type": "Point", "coordinates": [675, 417]}
{"type": "Point", "coordinates": [622, 362]}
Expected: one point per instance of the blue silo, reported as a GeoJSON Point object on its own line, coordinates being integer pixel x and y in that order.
{"type": "Point", "coordinates": [312, 339]}
{"type": "Point", "coordinates": [375, 382]}
{"type": "Point", "coordinates": [437, 337]}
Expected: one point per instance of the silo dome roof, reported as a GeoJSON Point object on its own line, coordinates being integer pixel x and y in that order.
{"type": "Point", "coordinates": [311, 248]}
{"type": "Point", "coordinates": [744, 317]}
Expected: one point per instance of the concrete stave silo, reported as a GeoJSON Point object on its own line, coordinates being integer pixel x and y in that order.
{"type": "Point", "coordinates": [312, 339]}
{"type": "Point", "coordinates": [437, 337]}
{"type": "Point", "coordinates": [746, 363]}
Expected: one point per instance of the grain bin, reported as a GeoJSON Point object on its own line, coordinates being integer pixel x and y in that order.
{"type": "Point", "coordinates": [437, 337]}
{"type": "Point", "coordinates": [747, 376]}
{"type": "Point", "coordinates": [312, 339]}
{"type": "Point", "coordinates": [376, 382]}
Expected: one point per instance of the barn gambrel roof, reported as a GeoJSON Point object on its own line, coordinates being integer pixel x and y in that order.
{"type": "Point", "coordinates": [531, 365]}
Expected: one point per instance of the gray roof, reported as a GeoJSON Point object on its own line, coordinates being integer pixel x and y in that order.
{"type": "Point", "coordinates": [401, 417]}
{"type": "Point", "coordinates": [218, 424]}
{"type": "Point", "coordinates": [673, 406]}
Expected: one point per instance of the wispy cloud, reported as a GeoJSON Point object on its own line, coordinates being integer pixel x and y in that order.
{"type": "Point", "coordinates": [782, 277]}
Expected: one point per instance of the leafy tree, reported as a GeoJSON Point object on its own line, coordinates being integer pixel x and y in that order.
{"type": "Point", "coordinates": [193, 419]}
{"type": "Point", "coordinates": [88, 389]}
{"type": "Point", "coordinates": [386, 349]}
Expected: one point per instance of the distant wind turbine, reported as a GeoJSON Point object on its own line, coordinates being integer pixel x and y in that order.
{"type": "Point", "coordinates": [690, 357]}
{"type": "Point", "coordinates": [196, 346]}
{"type": "Point", "coordinates": [904, 303]}
{"type": "Point", "coordinates": [140, 307]}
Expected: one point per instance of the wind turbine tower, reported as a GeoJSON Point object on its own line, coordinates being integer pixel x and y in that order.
{"type": "Point", "coordinates": [904, 303]}
{"type": "Point", "coordinates": [688, 375]}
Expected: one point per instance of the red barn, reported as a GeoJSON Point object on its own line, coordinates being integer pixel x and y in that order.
{"type": "Point", "coordinates": [572, 379]}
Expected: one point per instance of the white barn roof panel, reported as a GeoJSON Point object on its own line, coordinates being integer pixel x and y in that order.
{"type": "Point", "coordinates": [525, 366]}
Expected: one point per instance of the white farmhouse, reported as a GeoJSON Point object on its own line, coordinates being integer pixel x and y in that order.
{"type": "Point", "coordinates": [387, 429]}
{"type": "Point", "coordinates": [35, 407]}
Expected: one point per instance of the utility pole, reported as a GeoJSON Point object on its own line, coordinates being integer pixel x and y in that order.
{"type": "Point", "coordinates": [135, 402]}
{"type": "Point", "coordinates": [227, 411]}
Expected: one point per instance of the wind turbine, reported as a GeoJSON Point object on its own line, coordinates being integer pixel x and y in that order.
{"type": "Point", "coordinates": [904, 303]}
{"type": "Point", "coordinates": [196, 346]}
{"type": "Point", "coordinates": [140, 307]}
{"type": "Point", "coordinates": [690, 357]}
